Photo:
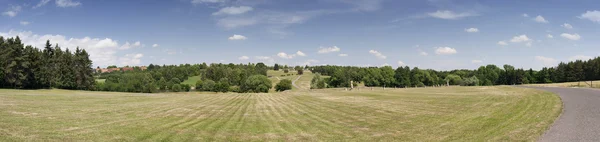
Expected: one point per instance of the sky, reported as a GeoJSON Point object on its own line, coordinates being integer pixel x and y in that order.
{"type": "Point", "coordinates": [432, 34]}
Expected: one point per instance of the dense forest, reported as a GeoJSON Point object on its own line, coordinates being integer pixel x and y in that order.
{"type": "Point", "coordinates": [341, 76]}
{"type": "Point", "coordinates": [215, 77]}
{"type": "Point", "coordinates": [26, 67]}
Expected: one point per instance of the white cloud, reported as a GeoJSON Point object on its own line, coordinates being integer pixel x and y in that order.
{"type": "Point", "coordinates": [12, 11]}
{"type": "Point", "coordinates": [580, 57]}
{"type": "Point", "coordinates": [265, 58]}
{"type": "Point", "coordinates": [244, 58]}
{"type": "Point", "coordinates": [476, 61]}
{"type": "Point", "coordinates": [377, 54]}
{"type": "Point", "coordinates": [570, 36]}
{"type": "Point", "coordinates": [550, 36]}
{"type": "Point", "coordinates": [546, 60]}
{"type": "Point", "coordinates": [300, 53]}
{"type": "Point", "coordinates": [285, 55]}
{"type": "Point", "coordinates": [364, 5]}
{"type": "Point", "coordinates": [155, 45]}
{"type": "Point", "coordinates": [232, 23]}
{"type": "Point", "coordinates": [170, 51]}
{"type": "Point", "coordinates": [423, 53]}
{"type": "Point", "coordinates": [343, 55]}
{"type": "Point", "coordinates": [472, 30]}
{"type": "Point", "coordinates": [237, 37]}
{"type": "Point", "coordinates": [525, 15]}
{"type": "Point", "coordinates": [275, 20]}
{"type": "Point", "coordinates": [449, 15]}
{"type": "Point", "coordinates": [520, 38]}
{"type": "Point", "coordinates": [24, 23]}
{"type": "Point", "coordinates": [262, 57]}
{"type": "Point", "coordinates": [290, 56]}
{"type": "Point", "coordinates": [540, 19]}
{"type": "Point", "coordinates": [400, 63]}
{"type": "Point", "coordinates": [503, 43]}
{"type": "Point", "coordinates": [131, 59]}
{"type": "Point", "coordinates": [102, 50]}
{"type": "Point", "coordinates": [206, 1]}
{"type": "Point", "coordinates": [567, 26]}
{"type": "Point", "coordinates": [233, 10]}
{"type": "Point", "coordinates": [127, 45]}
{"type": "Point", "coordinates": [310, 62]}
{"type": "Point", "coordinates": [529, 44]}
{"type": "Point", "coordinates": [445, 51]}
{"type": "Point", "coordinates": [41, 3]}
{"type": "Point", "coordinates": [323, 50]}
{"type": "Point", "coordinates": [593, 16]}
{"type": "Point", "coordinates": [67, 3]}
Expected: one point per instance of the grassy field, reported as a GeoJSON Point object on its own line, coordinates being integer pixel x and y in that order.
{"type": "Point", "coordinates": [584, 84]}
{"type": "Point", "coordinates": [192, 80]}
{"type": "Point", "coordinates": [424, 114]}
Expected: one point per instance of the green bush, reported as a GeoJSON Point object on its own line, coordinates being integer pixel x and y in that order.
{"type": "Point", "coordinates": [317, 82]}
{"type": "Point", "coordinates": [150, 88]}
{"type": "Point", "coordinates": [186, 87]}
{"type": "Point", "coordinates": [208, 85]}
{"type": "Point", "coordinates": [199, 85]}
{"type": "Point", "coordinates": [286, 71]}
{"type": "Point", "coordinates": [420, 84]}
{"type": "Point", "coordinates": [175, 80]}
{"type": "Point", "coordinates": [471, 81]}
{"type": "Point", "coordinates": [176, 88]}
{"type": "Point", "coordinates": [283, 85]}
{"type": "Point", "coordinates": [235, 89]}
{"type": "Point", "coordinates": [256, 84]}
{"type": "Point", "coordinates": [222, 86]}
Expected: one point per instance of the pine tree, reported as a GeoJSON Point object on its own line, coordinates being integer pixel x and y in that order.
{"type": "Point", "coordinates": [56, 78]}
{"type": "Point", "coordinates": [14, 74]}
{"type": "Point", "coordinates": [67, 71]}
{"type": "Point", "coordinates": [48, 69]}
{"type": "Point", "coordinates": [87, 74]}
{"type": "Point", "coordinates": [31, 67]}
{"type": "Point", "coordinates": [3, 60]}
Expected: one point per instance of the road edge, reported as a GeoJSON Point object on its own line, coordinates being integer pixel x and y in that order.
{"type": "Point", "coordinates": [562, 108]}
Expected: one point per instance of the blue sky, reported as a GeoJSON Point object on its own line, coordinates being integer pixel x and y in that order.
{"type": "Point", "coordinates": [436, 34]}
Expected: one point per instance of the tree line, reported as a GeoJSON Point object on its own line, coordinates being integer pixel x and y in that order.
{"type": "Point", "coordinates": [27, 67]}
{"type": "Point", "coordinates": [341, 76]}
{"type": "Point", "coordinates": [214, 77]}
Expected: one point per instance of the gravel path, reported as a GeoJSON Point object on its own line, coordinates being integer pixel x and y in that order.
{"type": "Point", "coordinates": [294, 82]}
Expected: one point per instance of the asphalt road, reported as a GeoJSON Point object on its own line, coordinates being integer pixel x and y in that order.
{"type": "Point", "coordinates": [580, 120]}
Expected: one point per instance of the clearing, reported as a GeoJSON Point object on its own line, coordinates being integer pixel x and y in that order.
{"type": "Point", "coordinates": [192, 80]}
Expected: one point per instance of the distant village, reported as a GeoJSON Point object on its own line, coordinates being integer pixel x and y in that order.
{"type": "Point", "coordinates": [123, 69]}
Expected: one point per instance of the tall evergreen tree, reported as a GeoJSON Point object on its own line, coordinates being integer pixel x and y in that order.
{"type": "Point", "coordinates": [14, 73]}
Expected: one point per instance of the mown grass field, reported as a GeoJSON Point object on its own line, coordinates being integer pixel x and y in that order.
{"type": "Point", "coordinates": [420, 114]}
